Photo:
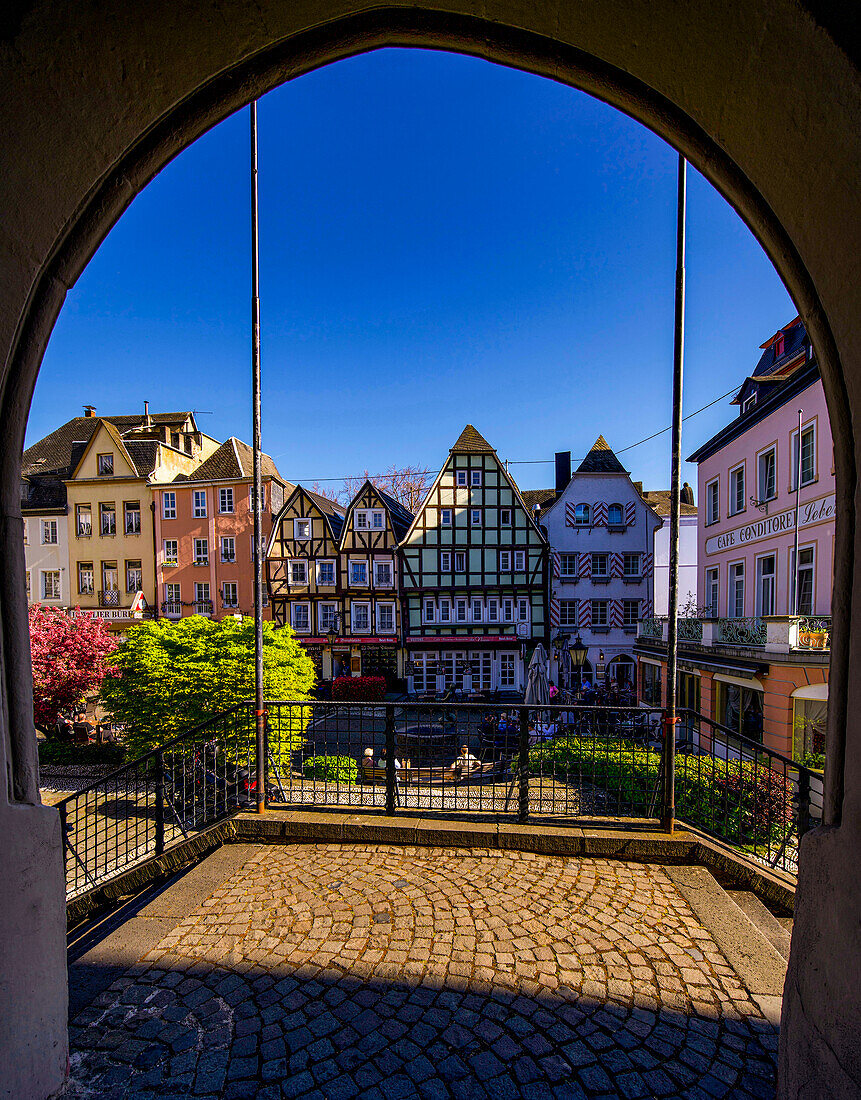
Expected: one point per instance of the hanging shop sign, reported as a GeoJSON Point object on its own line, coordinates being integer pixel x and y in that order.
{"type": "Point", "coordinates": [814, 511]}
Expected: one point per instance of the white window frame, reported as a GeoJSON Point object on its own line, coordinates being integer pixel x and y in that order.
{"type": "Point", "coordinates": [358, 563]}
{"type": "Point", "coordinates": [386, 605]}
{"type": "Point", "coordinates": [763, 454]}
{"type": "Point", "coordinates": [202, 592]}
{"type": "Point", "coordinates": [492, 609]}
{"type": "Point", "coordinates": [568, 555]}
{"type": "Point", "coordinates": [201, 551]}
{"type": "Point", "coordinates": [507, 609]}
{"type": "Point", "coordinates": [733, 508]}
{"type": "Point", "coordinates": [519, 561]}
{"type": "Point", "coordinates": [582, 515]}
{"type": "Point", "coordinates": [388, 564]}
{"type": "Point", "coordinates": [55, 589]}
{"type": "Point", "coordinates": [445, 517]}
{"type": "Point", "coordinates": [301, 529]}
{"type": "Point", "coordinates": [460, 561]}
{"type": "Point", "coordinates": [300, 606]}
{"type": "Point", "coordinates": [80, 510]}
{"type": "Point", "coordinates": [713, 499]}
{"type": "Point", "coordinates": [748, 403]}
{"type": "Point", "coordinates": [129, 569]}
{"type": "Point", "coordinates": [504, 561]}
{"type": "Point", "coordinates": [225, 601]}
{"type": "Point", "coordinates": [568, 613]}
{"type": "Point", "coordinates": [86, 567]}
{"type": "Point", "coordinates": [198, 503]}
{"type": "Point", "coordinates": [329, 562]}
{"type": "Point", "coordinates": [600, 555]}
{"type": "Point", "coordinates": [105, 464]}
{"type": "Point", "coordinates": [475, 517]}
{"type": "Point", "coordinates": [107, 509]}
{"type": "Point", "coordinates": [428, 610]}
{"type": "Point", "coordinates": [132, 508]}
{"type": "Point", "coordinates": [173, 593]}
{"type": "Point", "coordinates": [50, 536]}
{"type": "Point", "coordinates": [476, 609]}
{"type": "Point", "coordinates": [225, 500]}
{"type": "Point", "coordinates": [445, 561]}
{"type": "Point", "coordinates": [793, 450]}
{"type": "Point", "coordinates": [507, 670]}
{"type": "Point", "coordinates": [324, 622]}
{"type": "Point", "coordinates": [168, 557]}
{"type": "Point", "coordinates": [712, 591]}
{"type": "Point", "coordinates": [475, 478]}
{"type": "Point", "coordinates": [461, 610]}
{"type": "Point", "coordinates": [812, 568]}
{"type": "Point", "coordinates": [765, 608]}
{"type": "Point", "coordinates": [227, 544]}
{"type": "Point", "coordinates": [300, 564]}
{"type": "Point", "coordinates": [636, 557]}
{"type": "Point", "coordinates": [461, 478]}
{"type": "Point", "coordinates": [168, 505]}
{"type": "Point", "coordinates": [626, 606]}
{"type": "Point", "coordinates": [356, 605]}
{"type": "Point", "coordinates": [505, 517]}
{"type": "Point", "coordinates": [444, 608]}
{"type": "Point", "coordinates": [596, 604]}
{"type": "Point", "coordinates": [621, 520]}
{"type": "Point", "coordinates": [523, 609]}
{"type": "Point", "coordinates": [735, 573]}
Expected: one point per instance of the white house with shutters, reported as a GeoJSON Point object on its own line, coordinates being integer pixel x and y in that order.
{"type": "Point", "coordinates": [601, 535]}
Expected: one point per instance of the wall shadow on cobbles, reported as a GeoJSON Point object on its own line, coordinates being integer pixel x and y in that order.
{"type": "Point", "coordinates": [193, 1029]}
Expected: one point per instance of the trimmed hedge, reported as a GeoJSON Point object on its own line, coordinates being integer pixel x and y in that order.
{"type": "Point", "coordinates": [334, 769]}
{"type": "Point", "coordinates": [365, 689]}
{"type": "Point", "coordinates": [748, 803]}
{"type": "Point", "coordinates": [63, 753]}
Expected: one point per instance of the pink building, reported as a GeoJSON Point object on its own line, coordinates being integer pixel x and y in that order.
{"type": "Point", "coordinates": [755, 658]}
{"type": "Point", "coordinates": [204, 534]}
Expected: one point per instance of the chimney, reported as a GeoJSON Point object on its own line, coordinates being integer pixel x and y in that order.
{"type": "Point", "coordinates": [89, 410]}
{"type": "Point", "coordinates": [687, 494]}
{"type": "Point", "coordinates": [638, 487]}
{"type": "Point", "coordinates": [146, 413]}
{"type": "Point", "coordinates": [563, 471]}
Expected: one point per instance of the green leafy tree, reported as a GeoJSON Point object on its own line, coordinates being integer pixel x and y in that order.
{"type": "Point", "coordinates": [171, 676]}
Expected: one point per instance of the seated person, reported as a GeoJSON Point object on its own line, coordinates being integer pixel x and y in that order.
{"type": "Point", "coordinates": [83, 729]}
{"type": "Point", "coordinates": [381, 763]}
{"type": "Point", "coordinates": [64, 728]}
{"type": "Point", "coordinates": [466, 762]}
{"type": "Point", "coordinates": [368, 759]}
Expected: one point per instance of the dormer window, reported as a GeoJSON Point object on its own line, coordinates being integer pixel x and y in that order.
{"type": "Point", "coordinates": [106, 465]}
{"type": "Point", "coordinates": [779, 346]}
{"type": "Point", "coordinates": [748, 404]}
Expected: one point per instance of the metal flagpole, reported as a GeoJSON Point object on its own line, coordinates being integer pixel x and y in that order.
{"type": "Point", "coordinates": [797, 491]}
{"type": "Point", "coordinates": [670, 718]}
{"type": "Point", "coordinates": [260, 718]}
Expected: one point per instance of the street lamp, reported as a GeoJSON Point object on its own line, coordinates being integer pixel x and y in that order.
{"type": "Point", "coordinates": [578, 650]}
{"type": "Point", "coordinates": [331, 638]}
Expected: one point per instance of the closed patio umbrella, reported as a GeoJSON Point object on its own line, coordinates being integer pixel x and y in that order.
{"type": "Point", "coordinates": [537, 685]}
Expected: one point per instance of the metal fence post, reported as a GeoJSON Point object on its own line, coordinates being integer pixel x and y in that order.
{"type": "Point", "coordinates": [390, 761]}
{"type": "Point", "coordinates": [64, 833]}
{"type": "Point", "coordinates": [523, 767]}
{"type": "Point", "coordinates": [803, 802]}
{"type": "Point", "coordinates": [159, 803]}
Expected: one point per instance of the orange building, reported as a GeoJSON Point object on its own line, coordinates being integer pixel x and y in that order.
{"type": "Point", "coordinates": [204, 528]}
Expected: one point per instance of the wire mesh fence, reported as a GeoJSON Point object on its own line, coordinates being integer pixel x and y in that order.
{"type": "Point", "coordinates": [510, 761]}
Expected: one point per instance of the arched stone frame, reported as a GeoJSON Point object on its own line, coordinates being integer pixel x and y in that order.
{"type": "Point", "coordinates": [100, 97]}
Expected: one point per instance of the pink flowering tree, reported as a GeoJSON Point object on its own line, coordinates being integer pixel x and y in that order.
{"type": "Point", "coordinates": [71, 657]}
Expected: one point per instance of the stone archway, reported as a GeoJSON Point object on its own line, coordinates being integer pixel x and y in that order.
{"type": "Point", "coordinates": [763, 99]}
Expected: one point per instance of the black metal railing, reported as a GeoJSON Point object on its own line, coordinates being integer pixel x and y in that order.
{"type": "Point", "coordinates": [746, 794]}
{"type": "Point", "coordinates": [564, 760]}
{"type": "Point", "coordinates": [162, 797]}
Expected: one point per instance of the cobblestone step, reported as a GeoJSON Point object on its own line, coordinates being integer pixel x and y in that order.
{"type": "Point", "coordinates": [771, 927]}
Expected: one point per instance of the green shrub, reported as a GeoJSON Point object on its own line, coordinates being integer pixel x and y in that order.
{"type": "Point", "coordinates": [63, 753]}
{"type": "Point", "coordinates": [334, 769]}
{"type": "Point", "coordinates": [747, 803]}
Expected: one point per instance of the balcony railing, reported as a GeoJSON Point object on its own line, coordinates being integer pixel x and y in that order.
{"type": "Point", "coordinates": [652, 628]}
{"type": "Point", "coordinates": [109, 597]}
{"type": "Point", "coordinates": [812, 634]}
{"type": "Point", "coordinates": [690, 630]}
{"type": "Point", "coordinates": [202, 607]}
{"type": "Point", "coordinates": [742, 632]}
{"type": "Point", "coordinates": [172, 609]}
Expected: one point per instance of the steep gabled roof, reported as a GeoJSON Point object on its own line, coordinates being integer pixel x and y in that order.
{"type": "Point", "coordinates": [471, 441]}
{"type": "Point", "coordinates": [55, 453]}
{"type": "Point", "coordinates": [541, 497]}
{"type": "Point", "coordinates": [401, 516]}
{"type": "Point", "coordinates": [660, 500]}
{"type": "Point", "coordinates": [601, 460]}
{"type": "Point", "coordinates": [231, 461]}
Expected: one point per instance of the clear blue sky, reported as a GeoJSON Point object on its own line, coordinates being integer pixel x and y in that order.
{"type": "Point", "coordinates": [442, 240]}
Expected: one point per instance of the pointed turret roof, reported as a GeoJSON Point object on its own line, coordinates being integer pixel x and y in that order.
{"type": "Point", "coordinates": [601, 460]}
{"type": "Point", "coordinates": [472, 442]}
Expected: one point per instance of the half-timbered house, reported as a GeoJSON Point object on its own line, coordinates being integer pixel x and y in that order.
{"type": "Point", "coordinates": [373, 527]}
{"type": "Point", "coordinates": [474, 571]}
{"type": "Point", "coordinates": [303, 571]}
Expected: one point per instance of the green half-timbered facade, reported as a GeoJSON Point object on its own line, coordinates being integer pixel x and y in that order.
{"type": "Point", "coordinates": [473, 577]}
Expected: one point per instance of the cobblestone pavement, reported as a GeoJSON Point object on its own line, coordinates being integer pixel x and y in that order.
{"type": "Point", "coordinates": [336, 971]}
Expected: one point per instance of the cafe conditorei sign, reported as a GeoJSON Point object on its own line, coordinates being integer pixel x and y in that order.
{"type": "Point", "coordinates": [813, 511]}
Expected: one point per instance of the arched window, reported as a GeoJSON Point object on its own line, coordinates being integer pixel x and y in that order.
{"type": "Point", "coordinates": [581, 515]}
{"type": "Point", "coordinates": [614, 515]}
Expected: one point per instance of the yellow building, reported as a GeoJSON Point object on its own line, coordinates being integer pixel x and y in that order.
{"type": "Point", "coordinates": [111, 541]}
